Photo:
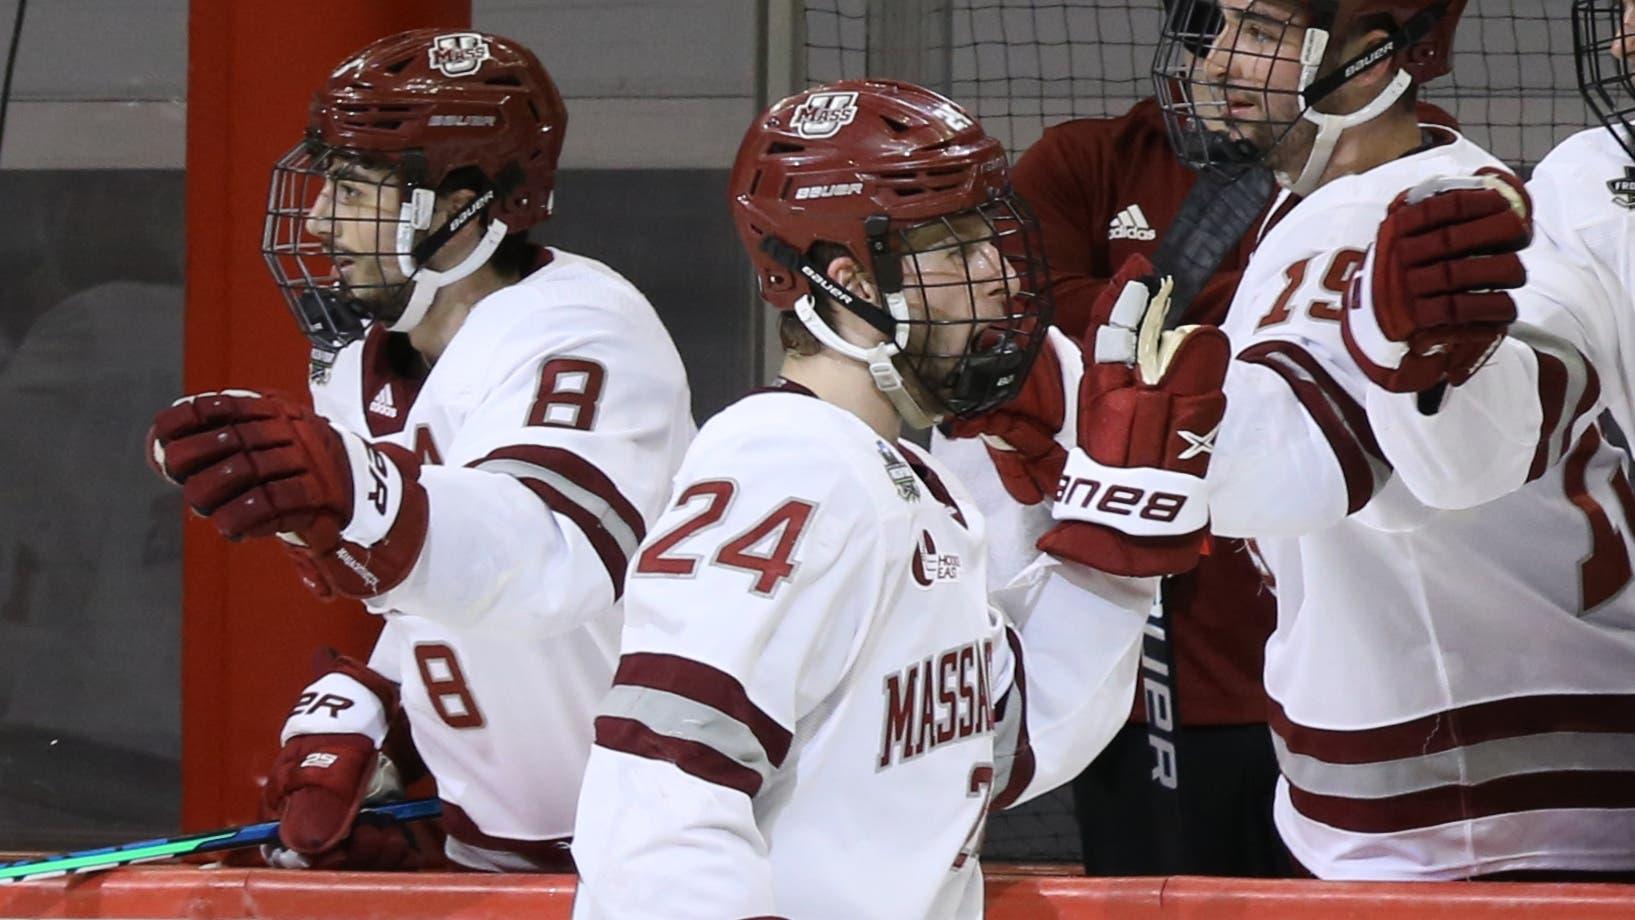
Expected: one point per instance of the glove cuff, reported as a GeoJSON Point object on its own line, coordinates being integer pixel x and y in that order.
{"type": "Point", "coordinates": [1137, 501]}
{"type": "Point", "coordinates": [337, 704]}
{"type": "Point", "coordinates": [1378, 357]}
{"type": "Point", "coordinates": [380, 482]}
{"type": "Point", "coordinates": [365, 570]}
{"type": "Point", "coordinates": [1115, 553]}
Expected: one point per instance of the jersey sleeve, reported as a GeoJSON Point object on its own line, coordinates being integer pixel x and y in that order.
{"type": "Point", "coordinates": [561, 458]}
{"type": "Point", "coordinates": [1064, 672]}
{"type": "Point", "coordinates": [743, 611]}
{"type": "Point", "coordinates": [1296, 452]}
{"type": "Point", "coordinates": [1521, 412]}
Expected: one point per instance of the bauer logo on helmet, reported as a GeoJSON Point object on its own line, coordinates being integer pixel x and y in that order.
{"type": "Point", "coordinates": [458, 54]}
{"type": "Point", "coordinates": [824, 114]}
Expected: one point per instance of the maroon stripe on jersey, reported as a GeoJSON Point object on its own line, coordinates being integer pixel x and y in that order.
{"type": "Point", "coordinates": [1342, 421]}
{"type": "Point", "coordinates": [586, 476]}
{"type": "Point", "coordinates": [580, 471]}
{"type": "Point", "coordinates": [934, 484]}
{"type": "Point", "coordinates": [607, 549]}
{"type": "Point", "coordinates": [699, 760]}
{"type": "Point", "coordinates": [551, 855]}
{"type": "Point", "coordinates": [1552, 396]}
{"type": "Point", "coordinates": [701, 683]}
{"type": "Point", "coordinates": [1022, 762]}
{"type": "Point", "coordinates": [1507, 795]}
{"type": "Point", "coordinates": [1605, 571]}
{"type": "Point", "coordinates": [1553, 382]}
{"type": "Point", "coordinates": [1466, 725]}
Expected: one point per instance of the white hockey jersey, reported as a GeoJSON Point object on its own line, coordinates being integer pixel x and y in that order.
{"type": "Point", "coordinates": [1451, 690]}
{"type": "Point", "coordinates": [1569, 356]}
{"type": "Point", "coordinates": [816, 704]}
{"type": "Point", "coordinates": [550, 426]}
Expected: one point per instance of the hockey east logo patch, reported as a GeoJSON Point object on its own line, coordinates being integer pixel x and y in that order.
{"type": "Point", "coordinates": [1623, 190]}
{"type": "Point", "coordinates": [930, 567]}
{"type": "Point", "coordinates": [824, 114]}
{"type": "Point", "coordinates": [458, 54]}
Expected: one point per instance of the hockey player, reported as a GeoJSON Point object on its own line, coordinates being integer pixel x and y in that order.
{"type": "Point", "coordinates": [1104, 189]}
{"type": "Point", "coordinates": [1572, 349]}
{"type": "Point", "coordinates": [816, 704]}
{"type": "Point", "coordinates": [1415, 742]}
{"type": "Point", "coordinates": [494, 427]}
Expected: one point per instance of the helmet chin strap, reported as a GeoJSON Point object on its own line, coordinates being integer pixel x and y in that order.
{"type": "Point", "coordinates": [424, 282]}
{"type": "Point", "coordinates": [1314, 89]}
{"type": "Point", "coordinates": [1329, 129]}
{"type": "Point", "coordinates": [877, 358]}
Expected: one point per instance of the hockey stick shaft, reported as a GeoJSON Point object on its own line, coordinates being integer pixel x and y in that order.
{"type": "Point", "coordinates": [1220, 208]}
{"type": "Point", "coordinates": [227, 838]}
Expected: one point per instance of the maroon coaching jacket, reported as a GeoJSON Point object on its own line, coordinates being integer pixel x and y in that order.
{"type": "Point", "coordinates": [1105, 189]}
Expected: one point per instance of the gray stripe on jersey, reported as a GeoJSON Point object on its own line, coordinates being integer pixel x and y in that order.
{"type": "Point", "coordinates": [1578, 377]}
{"type": "Point", "coordinates": [604, 513]}
{"type": "Point", "coordinates": [680, 717]}
{"type": "Point", "coordinates": [1464, 766]}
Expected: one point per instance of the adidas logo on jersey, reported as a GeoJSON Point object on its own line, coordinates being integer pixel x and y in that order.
{"type": "Point", "coordinates": [383, 404]}
{"type": "Point", "coordinates": [1131, 224]}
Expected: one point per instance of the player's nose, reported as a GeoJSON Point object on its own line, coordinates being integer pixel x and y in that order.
{"type": "Point", "coordinates": [320, 220]}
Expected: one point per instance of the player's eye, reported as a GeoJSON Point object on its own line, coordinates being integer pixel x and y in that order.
{"type": "Point", "coordinates": [349, 194]}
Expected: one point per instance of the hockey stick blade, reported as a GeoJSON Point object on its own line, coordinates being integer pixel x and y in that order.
{"type": "Point", "coordinates": [1221, 207]}
{"type": "Point", "coordinates": [227, 838]}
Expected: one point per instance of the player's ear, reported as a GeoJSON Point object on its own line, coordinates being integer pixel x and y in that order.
{"type": "Point", "coordinates": [1374, 78]}
{"type": "Point", "coordinates": [848, 274]}
{"type": "Point", "coordinates": [449, 204]}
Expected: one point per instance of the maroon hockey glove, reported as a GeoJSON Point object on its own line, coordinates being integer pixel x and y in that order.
{"type": "Point", "coordinates": [375, 843]}
{"type": "Point", "coordinates": [1431, 303]}
{"type": "Point", "coordinates": [331, 763]}
{"type": "Point", "coordinates": [261, 465]}
{"type": "Point", "coordinates": [1131, 499]}
{"type": "Point", "coordinates": [1021, 434]}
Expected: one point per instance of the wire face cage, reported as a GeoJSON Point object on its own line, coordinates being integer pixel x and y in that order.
{"type": "Point", "coordinates": [1603, 32]}
{"type": "Point", "coordinates": [1023, 65]}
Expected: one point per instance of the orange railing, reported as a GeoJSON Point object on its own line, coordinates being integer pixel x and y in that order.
{"type": "Point", "coordinates": [237, 894]}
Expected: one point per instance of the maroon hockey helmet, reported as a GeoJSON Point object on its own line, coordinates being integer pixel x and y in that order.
{"type": "Point", "coordinates": [863, 165]}
{"type": "Point", "coordinates": [412, 110]}
{"type": "Point", "coordinates": [1194, 70]}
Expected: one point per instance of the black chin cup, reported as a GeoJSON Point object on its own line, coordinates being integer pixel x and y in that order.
{"type": "Point", "coordinates": [987, 380]}
{"type": "Point", "coordinates": [328, 318]}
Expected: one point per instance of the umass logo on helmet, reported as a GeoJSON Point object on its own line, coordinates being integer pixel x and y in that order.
{"type": "Point", "coordinates": [458, 54]}
{"type": "Point", "coordinates": [824, 114]}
